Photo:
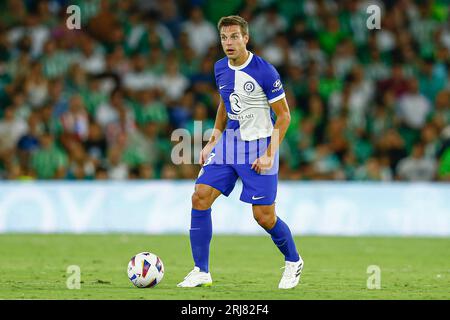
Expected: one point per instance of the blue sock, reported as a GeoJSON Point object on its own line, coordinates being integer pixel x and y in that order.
{"type": "Point", "coordinates": [282, 237]}
{"type": "Point", "coordinates": [201, 234]}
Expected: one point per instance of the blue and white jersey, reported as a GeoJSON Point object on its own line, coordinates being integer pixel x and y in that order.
{"type": "Point", "coordinates": [247, 91]}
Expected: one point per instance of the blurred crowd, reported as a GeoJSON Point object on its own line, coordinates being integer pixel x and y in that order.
{"type": "Point", "coordinates": [102, 102]}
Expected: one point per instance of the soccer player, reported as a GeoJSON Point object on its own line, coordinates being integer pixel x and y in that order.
{"type": "Point", "coordinates": [244, 144]}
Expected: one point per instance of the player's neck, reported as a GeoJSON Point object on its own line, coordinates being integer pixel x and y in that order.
{"type": "Point", "coordinates": [240, 60]}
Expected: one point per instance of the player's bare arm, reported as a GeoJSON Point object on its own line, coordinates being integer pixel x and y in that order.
{"type": "Point", "coordinates": [281, 109]}
{"type": "Point", "coordinates": [219, 126]}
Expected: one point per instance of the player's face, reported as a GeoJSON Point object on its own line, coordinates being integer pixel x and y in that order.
{"type": "Point", "coordinates": [233, 42]}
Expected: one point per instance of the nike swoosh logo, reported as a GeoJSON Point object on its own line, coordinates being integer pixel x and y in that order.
{"type": "Point", "coordinates": [221, 87]}
{"type": "Point", "coordinates": [257, 198]}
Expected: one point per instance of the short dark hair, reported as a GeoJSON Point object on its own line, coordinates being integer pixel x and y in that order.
{"type": "Point", "coordinates": [233, 21]}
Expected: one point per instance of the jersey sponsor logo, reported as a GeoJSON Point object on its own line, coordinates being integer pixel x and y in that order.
{"type": "Point", "coordinates": [241, 117]}
{"type": "Point", "coordinates": [249, 86]}
{"type": "Point", "coordinates": [277, 86]}
{"type": "Point", "coordinates": [277, 83]}
{"type": "Point", "coordinates": [235, 103]}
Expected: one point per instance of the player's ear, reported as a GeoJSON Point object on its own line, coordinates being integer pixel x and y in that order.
{"type": "Point", "coordinates": [246, 38]}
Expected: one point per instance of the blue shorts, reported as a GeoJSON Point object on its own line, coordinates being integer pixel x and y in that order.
{"type": "Point", "coordinates": [257, 188]}
{"type": "Point", "coordinates": [222, 173]}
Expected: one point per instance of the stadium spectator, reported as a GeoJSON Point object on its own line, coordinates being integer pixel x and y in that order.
{"type": "Point", "coordinates": [29, 142]}
{"type": "Point", "coordinates": [80, 166]}
{"type": "Point", "coordinates": [117, 169]}
{"type": "Point", "coordinates": [115, 117]}
{"type": "Point", "coordinates": [373, 170]}
{"type": "Point", "coordinates": [11, 130]}
{"type": "Point", "coordinates": [140, 77]}
{"type": "Point", "coordinates": [417, 167]}
{"type": "Point", "coordinates": [266, 25]}
{"type": "Point", "coordinates": [172, 82]}
{"type": "Point", "coordinates": [91, 58]}
{"type": "Point", "coordinates": [201, 33]}
{"type": "Point", "coordinates": [75, 121]}
{"type": "Point", "coordinates": [36, 86]}
{"type": "Point", "coordinates": [49, 161]}
{"type": "Point", "coordinates": [95, 145]}
{"type": "Point", "coordinates": [414, 107]}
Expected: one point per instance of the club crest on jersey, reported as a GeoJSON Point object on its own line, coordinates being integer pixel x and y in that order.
{"type": "Point", "coordinates": [249, 86]}
{"type": "Point", "coordinates": [235, 103]}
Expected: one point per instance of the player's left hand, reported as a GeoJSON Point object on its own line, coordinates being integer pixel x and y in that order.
{"type": "Point", "coordinates": [262, 163]}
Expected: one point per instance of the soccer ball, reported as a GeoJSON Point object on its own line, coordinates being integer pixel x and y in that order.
{"type": "Point", "coordinates": [145, 270]}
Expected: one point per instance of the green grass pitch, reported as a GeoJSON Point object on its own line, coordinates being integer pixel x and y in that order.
{"type": "Point", "coordinates": [243, 267]}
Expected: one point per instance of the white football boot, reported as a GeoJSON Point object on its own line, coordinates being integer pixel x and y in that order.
{"type": "Point", "coordinates": [291, 274]}
{"type": "Point", "coordinates": [196, 278]}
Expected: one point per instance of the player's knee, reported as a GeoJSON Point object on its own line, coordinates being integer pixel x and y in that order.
{"type": "Point", "coordinates": [267, 221]}
{"type": "Point", "coordinates": [201, 200]}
